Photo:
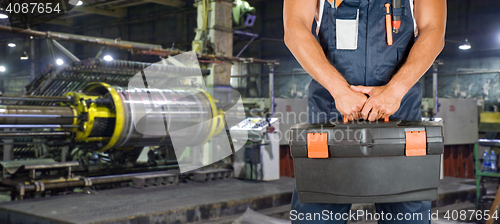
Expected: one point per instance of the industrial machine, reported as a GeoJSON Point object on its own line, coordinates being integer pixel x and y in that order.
{"type": "Point", "coordinates": [70, 103]}
{"type": "Point", "coordinates": [100, 117]}
{"type": "Point", "coordinates": [84, 124]}
{"type": "Point", "coordinates": [259, 159]}
{"type": "Point", "coordinates": [70, 124]}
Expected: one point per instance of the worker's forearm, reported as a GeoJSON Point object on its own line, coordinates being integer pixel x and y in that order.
{"type": "Point", "coordinates": [311, 57]}
{"type": "Point", "coordinates": [422, 55]}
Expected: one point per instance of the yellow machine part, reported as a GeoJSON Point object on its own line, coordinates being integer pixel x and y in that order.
{"type": "Point", "coordinates": [93, 111]}
{"type": "Point", "coordinates": [490, 117]}
{"type": "Point", "coordinates": [489, 122]}
{"type": "Point", "coordinates": [218, 122]}
{"type": "Point", "coordinates": [81, 108]}
{"type": "Point", "coordinates": [97, 111]}
{"type": "Point", "coordinates": [119, 115]}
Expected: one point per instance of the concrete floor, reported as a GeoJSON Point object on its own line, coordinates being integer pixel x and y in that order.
{"type": "Point", "coordinates": [186, 202]}
{"type": "Point", "coordinates": [218, 201]}
{"type": "Point", "coordinates": [253, 217]}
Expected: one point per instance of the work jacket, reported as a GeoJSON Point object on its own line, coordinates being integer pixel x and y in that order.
{"type": "Point", "coordinates": [354, 39]}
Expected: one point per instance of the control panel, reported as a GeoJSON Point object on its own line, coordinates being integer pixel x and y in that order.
{"type": "Point", "coordinates": [254, 126]}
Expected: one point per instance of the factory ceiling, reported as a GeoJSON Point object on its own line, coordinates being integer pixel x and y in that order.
{"type": "Point", "coordinates": [476, 21]}
{"type": "Point", "coordinates": [110, 8]}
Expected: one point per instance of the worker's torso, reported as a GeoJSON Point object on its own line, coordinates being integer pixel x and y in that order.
{"type": "Point", "coordinates": [369, 61]}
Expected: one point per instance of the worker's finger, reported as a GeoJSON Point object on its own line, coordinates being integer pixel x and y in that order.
{"type": "Point", "coordinates": [382, 115]}
{"type": "Point", "coordinates": [362, 89]}
{"type": "Point", "coordinates": [373, 115]}
{"type": "Point", "coordinates": [354, 116]}
{"type": "Point", "coordinates": [350, 117]}
{"type": "Point", "coordinates": [366, 110]}
{"type": "Point", "coordinates": [359, 115]}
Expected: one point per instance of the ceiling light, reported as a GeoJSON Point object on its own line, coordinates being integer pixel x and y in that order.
{"type": "Point", "coordinates": [3, 15]}
{"type": "Point", "coordinates": [75, 2]}
{"type": "Point", "coordinates": [108, 58]}
{"type": "Point", "coordinates": [2, 69]}
{"type": "Point", "coordinates": [465, 45]}
{"type": "Point", "coordinates": [11, 44]}
{"type": "Point", "coordinates": [59, 61]}
{"type": "Point", "coordinates": [24, 56]}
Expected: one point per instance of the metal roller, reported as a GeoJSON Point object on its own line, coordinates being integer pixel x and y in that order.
{"type": "Point", "coordinates": [106, 117]}
{"type": "Point", "coordinates": [148, 111]}
{"type": "Point", "coordinates": [143, 117]}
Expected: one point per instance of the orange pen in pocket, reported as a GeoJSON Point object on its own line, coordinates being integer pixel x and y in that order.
{"type": "Point", "coordinates": [388, 24]}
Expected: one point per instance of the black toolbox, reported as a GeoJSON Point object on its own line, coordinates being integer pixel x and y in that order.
{"type": "Point", "coordinates": [360, 162]}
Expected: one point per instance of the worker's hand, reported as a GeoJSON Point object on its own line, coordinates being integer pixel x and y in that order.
{"type": "Point", "coordinates": [383, 102]}
{"type": "Point", "coordinates": [350, 103]}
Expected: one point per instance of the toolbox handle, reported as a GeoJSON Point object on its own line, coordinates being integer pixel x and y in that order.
{"type": "Point", "coordinates": [364, 123]}
{"type": "Point", "coordinates": [346, 119]}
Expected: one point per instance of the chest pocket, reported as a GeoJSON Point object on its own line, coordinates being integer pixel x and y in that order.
{"type": "Point", "coordinates": [391, 57]}
{"type": "Point", "coordinates": [347, 25]}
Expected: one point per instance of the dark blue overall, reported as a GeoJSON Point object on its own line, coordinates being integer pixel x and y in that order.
{"type": "Point", "coordinates": [372, 63]}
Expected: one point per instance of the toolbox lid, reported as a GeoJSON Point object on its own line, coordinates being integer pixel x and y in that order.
{"type": "Point", "coordinates": [393, 138]}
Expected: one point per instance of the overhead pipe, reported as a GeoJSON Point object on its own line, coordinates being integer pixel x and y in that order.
{"type": "Point", "coordinates": [150, 50]}
{"type": "Point", "coordinates": [65, 51]}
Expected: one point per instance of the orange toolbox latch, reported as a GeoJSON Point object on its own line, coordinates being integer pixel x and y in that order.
{"type": "Point", "coordinates": [416, 143]}
{"type": "Point", "coordinates": [317, 145]}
